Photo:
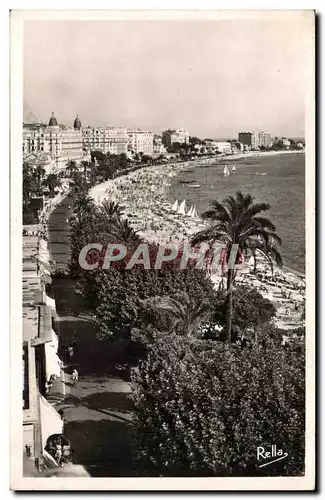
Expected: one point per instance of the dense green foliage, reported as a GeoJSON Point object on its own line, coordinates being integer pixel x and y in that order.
{"type": "Point", "coordinates": [35, 185]}
{"type": "Point", "coordinates": [203, 408]}
{"type": "Point", "coordinates": [126, 299]}
{"type": "Point", "coordinates": [251, 312]}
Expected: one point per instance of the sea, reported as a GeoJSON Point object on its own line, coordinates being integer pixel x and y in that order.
{"type": "Point", "coordinates": [277, 180]}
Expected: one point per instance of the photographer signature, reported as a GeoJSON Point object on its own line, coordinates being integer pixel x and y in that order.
{"type": "Point", "coordinates": [270, 453]}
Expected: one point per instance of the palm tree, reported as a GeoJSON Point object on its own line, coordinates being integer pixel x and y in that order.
{"type": "Point", "coordinates": [72, 168]}
{"type": "Point", "coordinates": [83, 205]}
{"type": "Point", "coordinates": [40, 174]}
{"type": "Point", "coordinates": [30, 183]}
{"type": "Point", "coordinates": [52, 181]}
{"type": "Point", "coordinates": [85, 164]}
{"type": "Point", "coordinates": [186, 313]}
{"type": "Point", "coordinates": [111, 209]}
{"type": "Point", "coordinates": [123, 232]}
{"type": "Point", "coordinates": [237, 221]}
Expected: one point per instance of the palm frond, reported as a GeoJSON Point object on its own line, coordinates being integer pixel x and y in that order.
{"type": "Point", "coordinates": [256, 209]}
{"type": "Point", "coordinates": [244, 200]}
{"type": "Point", "coordinates": [265, 223]}
{"type": "Point", "coordinates": [220, 209]}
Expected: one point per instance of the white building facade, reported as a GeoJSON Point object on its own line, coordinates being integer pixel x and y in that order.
{"type": "Point", "coordinates": [140, 141]}
{"type": "Point", "coordinates": [172, 136]}
{"type": "Point", "coordinates": [61, 143]}
{"type": "Point", "coordinates": [223, 147]}
{"type": "Point", "coordinates": [113, 140]}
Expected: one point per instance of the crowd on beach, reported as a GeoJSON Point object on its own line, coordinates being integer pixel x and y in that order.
{"type": "Point", "coordinates": [142, 194]}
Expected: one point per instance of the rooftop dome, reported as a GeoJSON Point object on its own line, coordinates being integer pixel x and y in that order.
{"type": "Point", "coordinates": [53, 121]}
{"type": "Point", "coordinates": [77, 123]}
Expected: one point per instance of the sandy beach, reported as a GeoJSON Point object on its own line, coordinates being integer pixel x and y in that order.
{"type": "Point", "coordinates": [142, 194]}
{"type": "Point", "coordinates": [258, 154]}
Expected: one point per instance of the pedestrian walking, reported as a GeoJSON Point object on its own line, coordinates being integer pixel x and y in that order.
{"type": "Point", "coordinates": [70, 351]}
{"type": "Point", "coordinates": [74, 344]}
{"type": "Point", "coordinates": [75, 376]}
{"type": "Point", "coordinates": [58, 452]}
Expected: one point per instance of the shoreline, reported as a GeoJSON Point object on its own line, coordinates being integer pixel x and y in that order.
{"type": "Point", "coordinates": [259, 154]}
{"type": "Point", "coordinates": [158, 176]}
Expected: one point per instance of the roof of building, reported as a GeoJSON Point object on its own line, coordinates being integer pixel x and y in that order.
{"type": "Point", "coordinates": [31, 280]}
{"type": "Point", "coordinates": [77, 123]}
{"type": "Point", "coordinates": [37, 158]}
{"type": "Point", "coordinates": [53, 121]}
{"type": "Point", "coordinates": [30, 322]}
{"type": "Point", "coordinates": [37, 323]}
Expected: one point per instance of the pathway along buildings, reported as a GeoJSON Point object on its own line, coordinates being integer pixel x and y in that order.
{"type": "Point", "coordinates": [43, 378]}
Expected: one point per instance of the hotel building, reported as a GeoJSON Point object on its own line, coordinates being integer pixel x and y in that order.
{"type": "Point", "coordinates": [255, 139]}
{"type": "Point", "coordinates": [113, 140]}
{"type": "Point", "coordinates": [158, 147]}
{"type": "Point", "coordinates": [222, 147]}
{"type": "Point", "coordinates": [140, 141]}
{"type": "Point", "coordinates": [179, 135]}
{"type": "Point", "coordinates": [265, 139]}
{"type": "Point", "coordinates": [62, 144]}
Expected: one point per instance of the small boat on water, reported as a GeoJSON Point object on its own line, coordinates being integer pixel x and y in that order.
{"type": "Point", "coordinates": [233, 168]}
{"type": "Point", "coordinates": [194, 185]}
{"type": "Point", "coordinates": [226, 172]}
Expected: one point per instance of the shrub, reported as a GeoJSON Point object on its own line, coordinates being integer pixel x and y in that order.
{"type": "Point", "coordinates": [123, 296]}
{"type": "Point", "coordinates": [203, 408]}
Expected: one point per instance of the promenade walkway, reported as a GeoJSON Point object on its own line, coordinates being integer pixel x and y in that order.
{"type": "Point", "coordinates": [98, 411]}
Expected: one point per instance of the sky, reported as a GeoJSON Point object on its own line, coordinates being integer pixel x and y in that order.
{"type": "Point", "coordinates": [214, 78]}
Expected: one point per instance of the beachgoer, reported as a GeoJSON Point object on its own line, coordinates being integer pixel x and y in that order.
{"type": "Point", "coordinates": [75, 376]}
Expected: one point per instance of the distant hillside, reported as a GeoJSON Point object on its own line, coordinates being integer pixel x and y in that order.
{"type": "Point", "coordinates": [29, 116]}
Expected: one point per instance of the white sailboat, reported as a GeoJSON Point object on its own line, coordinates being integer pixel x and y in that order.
{"type": "Point", "coordinates": [194, 213]}
{"type": "Point", "coordinates": [175, 206]}
{"type": "Point", "coordinates": [226, 171]}
{"type": "Point", "coordinates": [233, 168]}
{"type": "Point", "coordinates": [182, 208]}
{"type": "Point", "coordinates": [190, 212]}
